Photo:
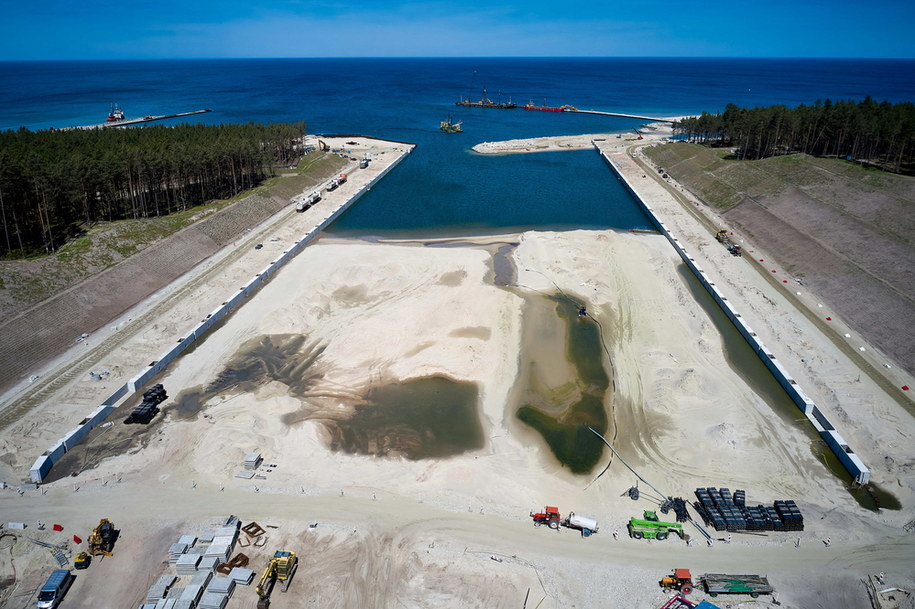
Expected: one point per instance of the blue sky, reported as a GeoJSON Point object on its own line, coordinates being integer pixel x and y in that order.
{"type": "Point", "coordinates": [103, 29]}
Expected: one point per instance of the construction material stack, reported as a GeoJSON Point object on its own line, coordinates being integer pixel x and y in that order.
{"type": "Point", "coordinates": [727, 512]}
{"type": "Point", "coordinates": [144, 413]}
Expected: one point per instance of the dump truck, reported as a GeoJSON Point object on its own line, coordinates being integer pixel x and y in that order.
{"type": "Point", "coordinates": [281, 567]}
{"type": "Point", "coordinates": [101, 539]}
{"type": "Point", "coordinates": [720, 583]}
{"type": "Point", "coordinates": [649, 527]}
{"type": "Point", "coordinates": [340, 179]}
{"type": "Point", "coordinates": [680, 580]}
{"type": "Point", "coordinates": [587, 526]}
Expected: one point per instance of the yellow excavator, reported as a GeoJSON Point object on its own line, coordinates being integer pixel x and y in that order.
{"type": "Point", "coordinates": [279, 568]}
{"type": "Point", "coordinates": [101, 539]}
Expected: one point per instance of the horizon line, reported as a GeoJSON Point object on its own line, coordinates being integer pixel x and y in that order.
{"type": "Point", "coordinates": [476, 57]}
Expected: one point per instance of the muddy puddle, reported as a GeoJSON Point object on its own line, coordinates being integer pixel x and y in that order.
{"type": "Point", "coordinates": [562, 385]}
{"type": "Point", "coordinates": [426, 418]}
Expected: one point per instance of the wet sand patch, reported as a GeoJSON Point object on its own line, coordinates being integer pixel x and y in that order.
{"type": "Point", "coordinates": [562, 386]}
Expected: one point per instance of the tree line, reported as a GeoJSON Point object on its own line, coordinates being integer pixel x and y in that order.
{"type": "Point", "coordinates": [881, 134]}
{"type": "Point", "coordinates": [56, 183]}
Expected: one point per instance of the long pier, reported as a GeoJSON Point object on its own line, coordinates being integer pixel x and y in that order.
{"type": "Point", "coordinates": [137, 121]}
{"type": "Point", "coordinates": [643, 118]}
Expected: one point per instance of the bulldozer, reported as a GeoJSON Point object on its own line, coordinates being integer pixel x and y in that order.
{"type": "Point", "coordinates": [101, 539]}
{"type": "Point", "coordinates": [281, 567]}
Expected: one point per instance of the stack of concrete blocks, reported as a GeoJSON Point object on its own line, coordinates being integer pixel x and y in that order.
{"type": "Point", "coordinates": [176, 551]}
{"type": "Point", "coordinates": [166, 603]}
{"type": "Point", "coordinates": [253, 460]}
{"type": "Point", "coordinates": [187, 564]}
{"type": "Point", "coordinates": [208, 563]}
{"type": "Point", "coordinates": [195, 589]}
{"type": "Point", "coordinates": [217, 593]}
{"type": "Point", "coordinates": [241, 576]}
{"type": "Point", "coordinates": [224, 539]}
{"type": "Point", "coordinates": [211, 600]}
{"type": "Point", "coordinates": [159, 590]}
{"type": "Point", "coordinates": [180, 604]}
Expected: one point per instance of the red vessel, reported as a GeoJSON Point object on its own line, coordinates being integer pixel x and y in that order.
{"type": "Point", "coordinates": [542, 108]}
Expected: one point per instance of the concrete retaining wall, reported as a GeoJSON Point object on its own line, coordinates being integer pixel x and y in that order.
{"type": "Point", "coordinates": [846, 456]}
{"type": "Point", "coordinates": [43, 464]}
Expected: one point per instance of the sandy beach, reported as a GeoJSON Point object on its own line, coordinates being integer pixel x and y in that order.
{"type": "Point", "coordinates": [290, 370]}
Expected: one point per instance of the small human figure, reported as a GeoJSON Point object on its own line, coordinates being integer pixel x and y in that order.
{"type": "Point", "coordinates": [688, 542]}
{"type": "Point", "coordinates": [729, 538]}
{"type": "Point", "coordinates": [827, 541]}
{"type": "Point", "coordinates": [341, 492]}
{"type": "Point", "coordinates": [616, 534]}
{"type": "Point", "coordinates": [709, 542]}
{"type": "Point", "coordinates": [797, 543]}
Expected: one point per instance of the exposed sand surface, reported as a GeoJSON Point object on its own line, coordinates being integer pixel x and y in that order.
{"type": "Point", "coordinates": [347, 317]}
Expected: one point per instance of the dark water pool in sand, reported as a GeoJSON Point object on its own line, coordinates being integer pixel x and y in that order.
{"type": "Point", "coordinates": [424, 418]}
{"type": "Point", "coordinates": [432, 417]}
{"type": "Point", "coordinates": [561, 406]}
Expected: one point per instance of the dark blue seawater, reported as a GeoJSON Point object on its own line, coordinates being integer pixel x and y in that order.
{"type": "Point", "coordinates": [443, 188]}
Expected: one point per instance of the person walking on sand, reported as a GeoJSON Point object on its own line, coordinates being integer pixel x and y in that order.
{"type": "Point", "coordinates": [616, 534]}
{"type": "Point", "coordinates": [797, 543]}
{"type": "Point", "coordinates": [827, 541]}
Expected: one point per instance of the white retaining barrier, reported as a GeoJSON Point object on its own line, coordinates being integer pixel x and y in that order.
{"type": "Point", "coordinates": [43, 463]}
{"type": "Point", "coordinates": [846, 456]}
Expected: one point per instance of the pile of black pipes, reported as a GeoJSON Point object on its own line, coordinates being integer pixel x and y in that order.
{"type": "Point", "coordinates": [144, 413]}
{"type": "Point", "coordinates": [729, 512]}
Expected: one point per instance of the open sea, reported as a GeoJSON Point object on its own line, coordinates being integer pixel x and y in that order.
{"type": "Point", "coordinates": [442, 188]}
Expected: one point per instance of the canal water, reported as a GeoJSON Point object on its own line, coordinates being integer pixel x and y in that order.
{"type": "Point", "coordinates": [744, 361]}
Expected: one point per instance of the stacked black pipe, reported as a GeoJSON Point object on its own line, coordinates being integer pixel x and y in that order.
{"type": "Point", "coordinates": [144, 413]}
{"type": "Point", "coordinates": [678, 505]}
{"type": "Point", "coordinates": [729, 512]}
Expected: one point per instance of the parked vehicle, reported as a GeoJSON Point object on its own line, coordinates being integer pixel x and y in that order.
{"type": "Point", "coordinates": [550, 516]}
{"type": "Point", "coordinates": [720, 583]}
{"type": "Point", "coordinates": [649, 527]}
{"type": "Point", "coordinates": [54, 589]}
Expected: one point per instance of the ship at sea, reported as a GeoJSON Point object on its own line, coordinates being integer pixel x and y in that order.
{"type": "Point", "coordinates": [545, 108]}
{"type": "Point", "coordinates": [116, 114]}
{"type": "Point", "coordinates": [485, 102]}
{"type": "Point", "coordinates": [449, 126]}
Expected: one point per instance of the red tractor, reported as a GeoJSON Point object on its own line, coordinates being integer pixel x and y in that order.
{"type": "Point", "coordinates": [680, 580]}
{"type": "Point", "coordinates": [549, 516]}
